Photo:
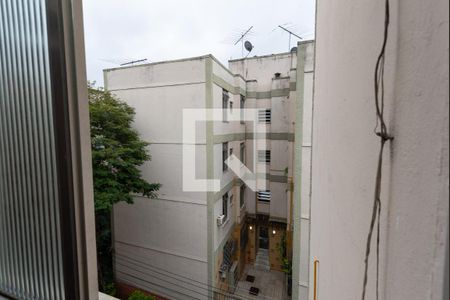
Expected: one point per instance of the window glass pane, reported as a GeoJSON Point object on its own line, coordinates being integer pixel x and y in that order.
{"type": "Point", "coordinates": [242, 153]}
{"type": "Point", "coordinates": [242, 196]}
{"type": "Point", "coordinates": [225, 100]}
{"type": "Point", "coordinates": [30, 243]}
{"type": "Point", "coordinates": [225, 205]}
{"type": "Point", "coordinates": [224, 156]}
{"type": "Point", "coordinates": [242, 106]}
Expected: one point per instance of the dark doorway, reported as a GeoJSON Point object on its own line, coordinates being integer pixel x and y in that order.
{"type": "Point", "coordinates": [263, 237]}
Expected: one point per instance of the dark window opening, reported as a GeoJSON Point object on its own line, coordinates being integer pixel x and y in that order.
{"type": "Point", "coordinates": [225, 205]}
{"type": "Point", "coordinates": [225, 100]}
{"type": "Point", "coordinates": [224, 156]}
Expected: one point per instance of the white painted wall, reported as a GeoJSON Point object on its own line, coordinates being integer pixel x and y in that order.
{"type": "Point", "coordinates": [415, 195]}
{"type": "Point", "coordinates": [183, 71]}
{"type": "Point", "coordinates": [168, 233]}
{"type": "Point", "coordinates": [164, 105]}
{"type": "Point", "coordinates": [260, 73]}
{"type": "Point", "coordinates": [263, 68]}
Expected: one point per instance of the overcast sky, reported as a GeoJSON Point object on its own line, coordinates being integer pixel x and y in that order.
{"type": "Point", "coordinates": [119, 31]}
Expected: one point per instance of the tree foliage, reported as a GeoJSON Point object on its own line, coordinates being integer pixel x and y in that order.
{"type": "Point", "coordinates": [138, 295]}
{"type": "Point", "coordinates": [117, 153]}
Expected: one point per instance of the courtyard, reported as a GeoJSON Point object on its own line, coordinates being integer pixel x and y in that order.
{"type": "Point", "coordinates": [271, 284]}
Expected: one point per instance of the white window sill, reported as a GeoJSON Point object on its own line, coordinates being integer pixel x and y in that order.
{"type": "Point", "coordinates": [102, 296]}
{"type": "Point", "coordinates": [225, 223]}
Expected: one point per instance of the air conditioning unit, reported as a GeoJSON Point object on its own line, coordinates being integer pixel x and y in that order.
{"type": "Point", "coordinates": [223, 270]}
{"type": "Point", "coordinates": [220, 220]}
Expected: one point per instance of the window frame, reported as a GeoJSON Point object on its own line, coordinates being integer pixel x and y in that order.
{"type": "Point", "coordinates": [242, 106]}
{"type": "Point", "coordinates": [225, 201]}
{"type": "Point", "coordinates": [225, 104]}
{"type": "Point", "coordinates": [242, 155]}
{"type": "Point", "coordinates": [224, 156]}
{"type": "Point", "coordinates": [242, 196]}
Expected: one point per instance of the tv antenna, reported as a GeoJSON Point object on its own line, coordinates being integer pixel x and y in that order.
{"type": "Point", "coordinates": [290, 34]}
{"type": "Point", "coordinates": [241, 39]}
{"type": "Point", "coordinates": [133, 62]}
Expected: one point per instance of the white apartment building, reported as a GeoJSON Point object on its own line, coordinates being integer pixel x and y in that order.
{"type": "Point", "coordinates": [163, 245]}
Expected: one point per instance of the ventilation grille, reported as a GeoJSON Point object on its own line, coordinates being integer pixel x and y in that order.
{"type": "Point", "coordinates": [264, 116]}
{"type": "Point", "coordinates": [264, 196]}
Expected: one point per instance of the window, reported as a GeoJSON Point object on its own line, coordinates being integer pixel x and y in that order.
{"type": "Point", "coordinates": [244, 236]}
{"type": "Point", "coordinates": [225, 100]}
{"type": "Point", "coordinates": [264, 156]}
{"type": "Point", "coordinates": [231, 200]}
{"type": "Point", "coordinates": [242, 153]}
{"type": "Point", "coordinates": [224, 156]}
{"type": "Point", "coordinates": [43, 253]}
{"type": "Point", "coordinates": [225, 205]}
{"type": "Point", "coordinates": [242, 106]}
{"type": "Point", "coordinates": [264, 116]}
{"type": "Point", "coordinates": [229, 250]}
{"type": "Point", "coordinates": [242, 196]}
{"type": "Point", "coordinates": [264, 195]}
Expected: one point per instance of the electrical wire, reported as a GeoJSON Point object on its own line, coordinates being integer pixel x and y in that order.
{"type": "Point", "coordinates": [139, 264]}
{"type": "Point", "coordinates": [188, 280]}
{"type": "Point", "coordinates": [162, 279]}
{"type": "Point", "coordinates": [384, 137]}
{"type": "Point", "coordinates": [215, 289]}
{"type": "Point", "coordinates": [152, 283]}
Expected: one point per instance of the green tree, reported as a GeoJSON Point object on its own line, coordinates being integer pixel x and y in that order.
{"type": "Point", "coordinates": [117, 153]}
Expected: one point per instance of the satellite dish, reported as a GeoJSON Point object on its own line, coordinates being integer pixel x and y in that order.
{"type": "Point", "coordinates": [248, 46]}
{"type": "Point", "coordinates": [294, 49]}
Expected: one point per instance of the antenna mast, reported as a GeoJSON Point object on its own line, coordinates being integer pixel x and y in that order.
{"type": "Point", "coordinates": [290, 33]}
{"type": "Point", "coordinates": [241, 39]}
{"type": "Point", "coordinates": [133, 62]}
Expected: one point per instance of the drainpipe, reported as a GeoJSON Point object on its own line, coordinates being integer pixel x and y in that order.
{"type": "Point", "coordinates": [290, 188]}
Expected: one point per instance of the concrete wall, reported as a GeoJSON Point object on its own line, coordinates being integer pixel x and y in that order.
{"type": "Point", "coordinates": [266, 91]}
{"type": "Point", "coordinates": [263, 68]}
{"type": "Point", "coordinates": [415, 196]}
{"type": "Point", "coordinates": [302, 170]}
{"type": "Point", "coordinates": [168, 233]}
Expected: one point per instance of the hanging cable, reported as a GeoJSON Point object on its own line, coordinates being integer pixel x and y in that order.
{"type": "Point", "coordinates": [178, 286]}
{"type": "Point", "coordinates": [384, 137]}
{"type": "Point", "coordinates": [187, 280]}
{"type": "Point", "coordinates": [161, 286]}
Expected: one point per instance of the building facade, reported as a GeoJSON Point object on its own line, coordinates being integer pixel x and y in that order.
{"type": "Point", "coordinates": [196, 243]}
{"type": "Point", "coordinates": [413, 248]}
